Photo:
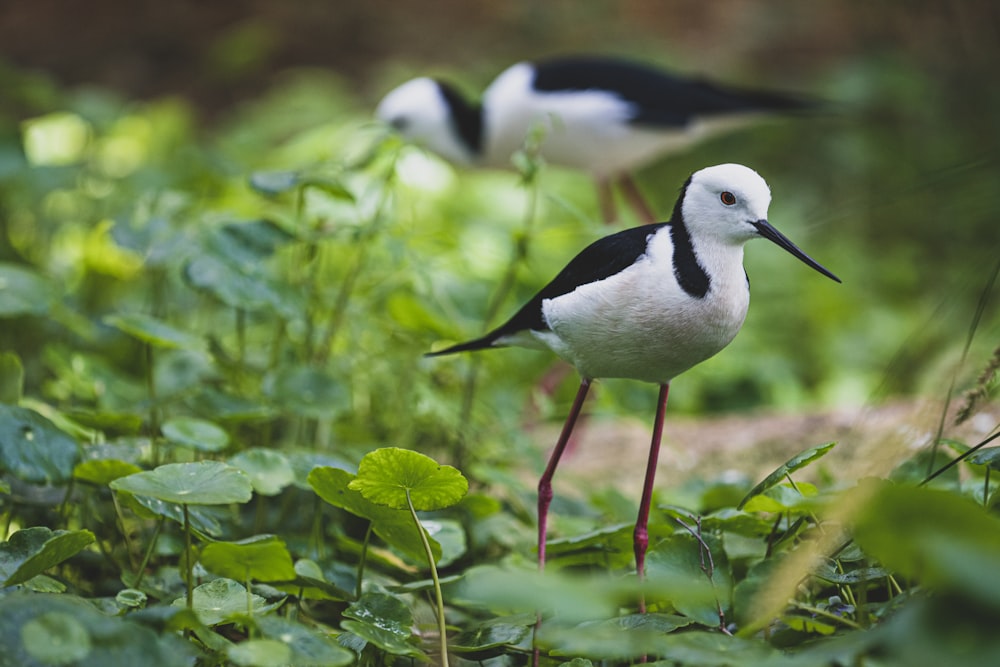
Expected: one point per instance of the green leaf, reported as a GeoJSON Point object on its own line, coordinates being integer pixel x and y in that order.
{"type": "Point", "coordinates": [989, 456]}
{"type": "Point", "coordinates": [102, 472]}
{"type": "Point", "coordinates": [31, 551]}
{"type": "Point", "coordinates": [201, 483]}
{"type": "Point", "coordinates": [247, 244]}
{"type": "Point", "coordinates": [45, 630]}
{"type": "Point", "coordinates": [787, 468]}
{"type": "Point", "coordinates": [32, 449]}
{"type": "Point", "coordinates": [486, 640]}
{"type": "Point", "coordinates": [616, 638]}
{"type": "Point", "coordinates": [571, 599]}
{"type": "Point", "coordinates": [393, 526]}
{"type": "Point", "coordinates": [309, 647]}
{"type": "Point", "coordinates": [938, 538]}
{"type": "Point", "coordinates": [386, 611]}
{"type": "Point", "coordinates": [386, 476]}
{"type": "Point", "coordinates": [382, 620]}
{"type": "Point", "coordinates": [269, 470]}
{"type": "Point", "coordinates": [785, 497]}
{"type": "Point", "coordinates": [306, 391]}
{"type": "Point", "coordinates": [199, 434]}
{"type": "Point", "coordinates": [131, 598]}
{"type": "Point", "coordinates": [808, 624]}
{"type": "Point", "coordinates": [223, 600]}
{"type": "Point", "coordinates": [155, 332]}
{"type": "Point", "coordinates": [715, 649]}
{"type": "Point", "coordinates": [202, 519]}
{"type": "Point", "coordinates": [851, 577]}
{"type": "Point", "coordinates": [311, 584]}
{"type": "Point", "coordinates": [274, 182]}
{"type": "Point", "coordinates": [260, 653]}
{"type": "Point", "coordinates": [232, 267]}
{"type": "Point", "coordinates": [24, 292]}
{"type": "Point", "coordinates": [11, 378]}
{"type": "Point", "coordinates": [56, 638]}
{"type": "Point", "coordinates": [450, 535]}
{"type": "Point", "coordinates": [259, 558]}
{"type": "Point", "coordinates": [676, 568]}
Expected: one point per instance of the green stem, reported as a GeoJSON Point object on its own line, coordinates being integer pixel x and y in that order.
{"type": "Point", "coordinates": [439, 599]}
{"type": "Point", "coordinates": [241, 337]}
{"type": "Point", "coordinates": [364, 558]}
{"type": "Point", "coordinates": [324, 345]}
{"type": "Point", "coordinates": [317, 530]}
{"type": "Point", "coordinates": [154, 422]}
{"type": "Point", "coordinates": [826, 614]}
{"type": "Point", "coordinates": [187, 558]}
{"type": "Point", "coordinates": [141, 571]}
{"type": "Point", "coordinates": [246, 582]}
{"type": "Point", "coordinates": [121, 522]}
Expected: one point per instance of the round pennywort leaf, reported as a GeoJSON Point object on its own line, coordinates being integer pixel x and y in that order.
{"type": "Point", "coordinates": [386, 476]}
{"type": "Point", "coordinates": [201, 483]}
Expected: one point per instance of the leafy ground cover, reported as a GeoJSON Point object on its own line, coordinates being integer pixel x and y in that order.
{"type": "Point", "coordinates": [212, 397]}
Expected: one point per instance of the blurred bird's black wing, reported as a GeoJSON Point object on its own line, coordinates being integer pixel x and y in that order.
{"type": "Point", "coordinates": [659, 98]}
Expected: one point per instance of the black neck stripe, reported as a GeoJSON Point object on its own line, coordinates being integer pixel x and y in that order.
{"type": "Point", "coordinates": [690, 274]}
{"type": "Point", "coordinates": [467, 117]}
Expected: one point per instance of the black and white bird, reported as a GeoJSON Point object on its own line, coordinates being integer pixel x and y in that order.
{"type": "Point", "coordinates": [648, 303]}
{"type": "Point", "coordinates": [604, 116]}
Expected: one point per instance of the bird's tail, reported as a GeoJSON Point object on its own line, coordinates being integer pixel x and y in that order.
{"type": "Point", "coordinates": [487, 341]}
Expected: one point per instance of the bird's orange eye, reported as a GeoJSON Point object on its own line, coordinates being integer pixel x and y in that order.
{"type": "Point", "coordinates": [728, 198]}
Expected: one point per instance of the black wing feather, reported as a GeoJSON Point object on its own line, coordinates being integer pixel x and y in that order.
{"type": "Point", "coordinates": [601, 259]}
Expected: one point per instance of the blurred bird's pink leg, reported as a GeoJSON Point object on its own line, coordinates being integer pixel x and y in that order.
{"type": "Point", "coordinates": [606, 200]}
{"type": "Point", "coordinates": [641, 534]}
{"type": "Point", "coordinates": [634, 197]}
{"type": "Point", "coordinates": [545, 483]}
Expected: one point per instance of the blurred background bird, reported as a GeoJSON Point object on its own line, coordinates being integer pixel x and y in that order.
{"type": "Point", "coordinates": [604, 116]}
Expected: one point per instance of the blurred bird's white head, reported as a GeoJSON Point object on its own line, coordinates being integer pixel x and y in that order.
{"type": "Point", "coordinates": [419, 111]}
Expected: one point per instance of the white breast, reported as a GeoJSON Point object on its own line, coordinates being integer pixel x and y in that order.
{"type": "Point", "coordinates": [640, 324]}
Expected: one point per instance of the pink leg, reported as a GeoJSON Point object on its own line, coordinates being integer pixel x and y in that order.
{"type": "Point", "coordinates": [641, 534]}
{"type": "Point", "coordinates": [545, 483]}
{"type": "Point", "coordinates": [636, 200]}
{"type": "Point", "coordinates": [606, 200]}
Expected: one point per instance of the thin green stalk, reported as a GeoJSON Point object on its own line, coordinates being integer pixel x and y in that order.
{"type": "Point", "coordinates": [141, 571]}
{"type": "Point", "coordinates": [316, 533]}
{"type": "Point", "coordinates": [121, 522]}
{"type": "Point", "coordinates": [895, 585]}
{"type": "Point", "coordinates": [8, 519]}
{"type": "Point", "coordinates": [364, 559]}
{"type": "Point", "coordinates": [187, 558]}
{"type": "Point", "coordinates": [154, 421]}
{"type": "Point", "coordinates": [241, 338]}
{"type": "Point", "coordinates": [325, 344]}
{"type": "Point", "coordinates": [986, 488]}
{"type": "Point", "coordinates": [958, 459]}
{"type": "Point", "coordinates": [439, 599]}
{"type": "Point", "coordinates": [246, 582]}
{"type": "Point", "coordinates": [826, 614]}
{"type": "Point", "coordinates": [973, 326]}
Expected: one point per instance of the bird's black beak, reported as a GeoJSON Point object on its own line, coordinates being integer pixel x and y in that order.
{"type": "Point", "coordinates": [765, 229]}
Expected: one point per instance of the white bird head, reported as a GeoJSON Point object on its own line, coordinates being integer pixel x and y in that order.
{"type": "Point", "coordinates": [729, 202]}
{"type": "Point", "coordinates": [420, 112]}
